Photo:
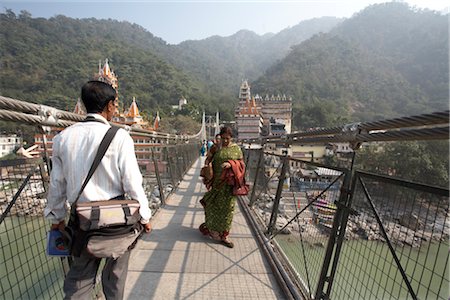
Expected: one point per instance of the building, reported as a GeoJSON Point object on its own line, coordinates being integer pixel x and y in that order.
{"type": "Point", "coordinates": [107, 75]}
{"type": "Point", "coordinates": [182, 102]}
{"type": "Point", "coordinates": [275, 113]}
{"type": "Point", "coordinates": [131, 117]}
{"type": "Point", "coordinates": [276, 127]}
{"type": "Point", "coordinates": [244, 96]}
{"type": "Point", "coordinates": [277, 108]}
{"type": "Point", "coordinates": [9, 143]}
{"type": "Point", "coordinates": [249, 121]}
{"type": "Point", "coordinates": [339, 149]}
{"type": "Point", "coordinates": [79, 108]}
{"type": "Point", "coordinates": [248, 117]}
{"type": "Point", "coordinates": [309, 153]}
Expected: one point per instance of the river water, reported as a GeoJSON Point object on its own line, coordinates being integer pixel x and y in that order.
{"type": "Point", "coordinates": [26, 272]}
{"type": "Point", "coordinates": [367, 270]}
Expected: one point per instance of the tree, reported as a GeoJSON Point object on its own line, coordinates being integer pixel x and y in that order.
{"type": "Point", "coordinates": [24, 14]}
{"type": "Point", "coordinates": [419, 161]}
{"type": "Point", "coordinates": [179, 124]}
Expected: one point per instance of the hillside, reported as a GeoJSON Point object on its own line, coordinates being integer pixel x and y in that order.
{"type": "Point", "coordinates": [386, 61]}
{"type": "Point", "coordinates": [416, 41]}
{"type": "Point", "coordinates": [47, 61]}
{"type": "Point", "coordinates": [223, 62]}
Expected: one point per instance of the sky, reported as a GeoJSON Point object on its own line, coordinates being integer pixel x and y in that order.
{"type": "Point", "coordinates": [177, 21]}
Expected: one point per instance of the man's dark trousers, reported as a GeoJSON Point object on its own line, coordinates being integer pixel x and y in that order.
{"type": "Point", "coordinates": [81, 277]}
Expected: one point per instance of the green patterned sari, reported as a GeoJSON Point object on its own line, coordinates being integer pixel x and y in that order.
{"type": "Point", "coordinates": [219, 202]}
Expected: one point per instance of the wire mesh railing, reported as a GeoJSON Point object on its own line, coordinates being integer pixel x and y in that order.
{"type": "Point", "coordinates": [164, 169]}
{"type": "Point", "coordinates": [345, 233]}
{"type": "Point", "coordinates": [395, 232]}
{"type": "Point", "coordinates": [342, 233]}
{"type": "Point", "coordinates": [25, 270]}
{"type": "Point", "coordinates": [305, 211]}
{"type": "Point", "coordinates": [396, 244]}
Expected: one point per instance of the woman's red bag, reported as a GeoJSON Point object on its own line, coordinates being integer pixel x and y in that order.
{"type": "Point", "coordinates": [241, 190]}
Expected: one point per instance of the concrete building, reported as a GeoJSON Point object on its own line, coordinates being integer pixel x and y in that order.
{"type": "Point", "coordinates": [249, 121]}
{"type": "Point", "coordinates": [182, 102]}
{"type": "Point", "coordinates": [9, 143]}
{"type": "Point", "coordinates": [339, 149]}
{"type": "Point", "coordinates": [276, 127]}
{"type": "Point", "coordinates": [275, 113]}
{"type": "Point", "coordinates": [278, 108]}
{"type": "Point", "coordinates": [313, 153]}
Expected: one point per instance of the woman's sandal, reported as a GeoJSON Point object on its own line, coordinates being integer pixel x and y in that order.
{"type": "Point", "coordinates": [228, 243]}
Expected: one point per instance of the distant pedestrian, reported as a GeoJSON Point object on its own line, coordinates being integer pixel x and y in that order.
{"type": "Point", "coordinates": [210, 144]}
{"type": "Point", "coordinates": [203, 148]}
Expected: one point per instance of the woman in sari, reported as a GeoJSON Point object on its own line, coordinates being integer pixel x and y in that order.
{"type": "Point", "coordinates": [219, 202]}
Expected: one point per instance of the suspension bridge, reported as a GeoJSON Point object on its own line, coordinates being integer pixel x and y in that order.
{"type": "Point", "coordinates": [307, 230]}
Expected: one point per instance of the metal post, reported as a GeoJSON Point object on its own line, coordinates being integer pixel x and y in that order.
{"type": "Point", "coordinates": [258, 167]}
{"type": "Point", "coordinates": [185, 159]}
{"type": "Point", "coordinates": [16, 195]}
{"type": "Point", "coordinates": [174, 155]}
{"type": "Point", "coordinates": [276, 202]}
{"type": "Point", "coordinates": [346, 208]}
{"type": "Point", "coordinates": [43, 168]}
{"type": "Point", "coordinates": [247, 158]}
{"type": "Point", "coordinates": [181, 160]}
{"type": "Point", "coordinates": [170, 166]}
{"type": "Point", "coordinates": [158, 178]}
{"type": "Point", "coordinates": [336, 236]}
{"type": "Point", "coordinates": [46, 156]}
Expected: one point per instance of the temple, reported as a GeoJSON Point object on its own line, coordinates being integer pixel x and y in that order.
{"type": "Point", "coordinates": [106, 75]}
{"type": "Point", "coordinates": [258, 116]}
{"type": "Point", "coordinates": [248, 120]}
{"type": "Point", "coordinates": [131, 116]}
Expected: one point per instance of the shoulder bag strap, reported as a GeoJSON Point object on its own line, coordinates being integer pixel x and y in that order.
{"type": "Point", "coordinates": [98, 157]}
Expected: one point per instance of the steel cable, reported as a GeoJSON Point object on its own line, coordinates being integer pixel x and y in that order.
{"type": "Point", "coordinates": [35, 114]}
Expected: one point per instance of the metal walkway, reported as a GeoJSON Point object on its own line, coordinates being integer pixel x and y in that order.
{"type": "Point", "coordinates": [176, 262]}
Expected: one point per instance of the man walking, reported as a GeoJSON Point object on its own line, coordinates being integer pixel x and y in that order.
{"type": "Point", "coordinates": [118, 174]}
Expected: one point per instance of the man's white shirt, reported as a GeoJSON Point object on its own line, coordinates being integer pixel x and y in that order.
{"type": "Point", "coordinates": [118, 173]}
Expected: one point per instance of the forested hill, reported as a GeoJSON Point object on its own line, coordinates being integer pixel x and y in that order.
{"type": "Point", "coordinates": [47, 61]}
{"type": "Point", "coordinates": [388, 60]}
{"type": "Point", "coordinates": [223, 62]}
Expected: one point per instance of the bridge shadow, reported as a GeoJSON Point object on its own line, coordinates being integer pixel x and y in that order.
{"type": "Point", "coordinates": [177, 262]}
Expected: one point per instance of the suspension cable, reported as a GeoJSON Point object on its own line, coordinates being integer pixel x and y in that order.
{"type": "Point", "coordinates": [421, 127]}
{"type": "Point", "coordinates": [36, 114]}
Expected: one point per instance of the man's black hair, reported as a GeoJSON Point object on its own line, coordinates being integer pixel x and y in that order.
{"type": "Point", "coordinates": [96, 95]}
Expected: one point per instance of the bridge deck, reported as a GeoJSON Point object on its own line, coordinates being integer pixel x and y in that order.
{"type": "Point", "coordinates": [176, 262]}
